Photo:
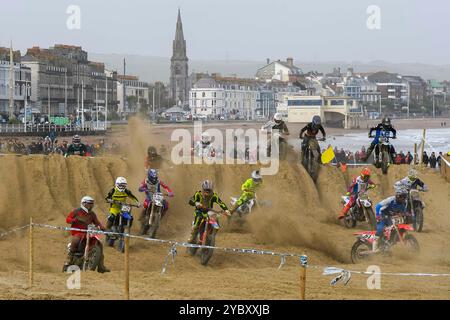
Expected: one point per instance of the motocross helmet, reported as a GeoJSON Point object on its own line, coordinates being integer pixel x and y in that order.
{"type": "Point", "coordinates": [87, 201]}
{"type": "Point", "coordinates": [206, 139]}
{"type": "Point", "coordinates": [277, 117]}
{"type": "Point", "coordinates": [316, 121]}
{"type": "Point", "coordinates": [365, 174]}
{"type": "Point", "coordinates": [152, 176]}
{"type": "Point", "coordinates": [151, 152]}
{"type": "Point", "coordinates": [207, 187]}
{"type": "Point", "coordinates": [412, 175]}
{"type": "Point", "coordinates": [76, 140]}
{"type": "Point", "coordinates": [121, 184]}
{"type": "Point", "coordinates": [256, 176]}
{"type": "Point", "coordinates": [386, 122]}
{"type": "Point", "coordinates": [400, 194]}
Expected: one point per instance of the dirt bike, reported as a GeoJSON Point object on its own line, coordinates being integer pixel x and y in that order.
{"type": "Point", "coordinates": [360, 211]}
{"type": "Point", "coordinates": [393, 234]}
{"type": "Point", "coordinates": [245, 208]}
{"type": "Point", "coordinates": [207, 152]}
{"type": "Point", "coordinates": [384, 147]}
{"type": "Point", "coordinates": [123, 221]}
{"type": "Point", "coordinates": [206, 236]}
{"type": "Point", "coordinates": [275, 138]}
{"type": "Point", "coordinates": [311, 159]}
{"type": "Point", "coordinates": [415, 209]}
{"type": "Point", "coordinates": [87, 257]}
{"type": "Point", "coordinates": [153, 213]}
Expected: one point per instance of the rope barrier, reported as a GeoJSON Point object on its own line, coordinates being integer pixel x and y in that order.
{"type": "Point", "coordinates": [344, 274]}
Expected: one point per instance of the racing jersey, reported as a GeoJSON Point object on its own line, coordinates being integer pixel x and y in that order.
{"type": "Point", "coordinates": [117, 195]}
{"type": "Point", "coordinates": [312, 131]}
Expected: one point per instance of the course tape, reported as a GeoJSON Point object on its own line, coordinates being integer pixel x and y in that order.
{"type": "Point", "coordinates": [344, 274]}
{"type": "Point", "coordinates": [172, 252]}
{"type": "Point", "coordinates": [334, 270]}
{"type": "Point", "coordinates": [13, 230]}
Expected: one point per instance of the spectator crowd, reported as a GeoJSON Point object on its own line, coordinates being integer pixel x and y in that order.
{"type": "Point", "coordinates": [48, 146]}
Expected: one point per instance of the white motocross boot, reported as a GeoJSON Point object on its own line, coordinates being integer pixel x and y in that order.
{"type": "Point", "coordinates": [375, 244]}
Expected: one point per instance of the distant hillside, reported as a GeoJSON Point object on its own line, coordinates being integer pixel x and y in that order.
{"type": "Point", "coordinates": [157, 68]}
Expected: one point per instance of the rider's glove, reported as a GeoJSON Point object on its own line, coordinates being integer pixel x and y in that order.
{"type": "Point", "coordinates": [227, 213]}
{"type": "Point", "coordinates": [372, 186]}
{"type": "Point", "coordinates": [170, 194]}
{"type": "Point", "coordinates": [348, 194]}
{"type": "Point", "coordinates": [198, 205]}
{"type": "Point", "coordinates": [139, 205]}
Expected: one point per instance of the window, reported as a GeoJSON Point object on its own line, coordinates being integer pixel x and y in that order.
{"type": "Point", "coordinates": [203, 94]}
{"type": "Point", "coordinates": [337, 102]}
{"type": "Point", "coordinates": [304, 102]}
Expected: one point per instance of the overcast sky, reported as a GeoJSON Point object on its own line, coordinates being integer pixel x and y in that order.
{"type": "Point", "coordinates": [314, 30]}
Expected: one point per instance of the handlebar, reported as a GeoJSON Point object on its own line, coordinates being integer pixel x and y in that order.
{"type": "Point", "coordinates": [393, 137]}
{"type": "Point", "coordinates": [122, 203]}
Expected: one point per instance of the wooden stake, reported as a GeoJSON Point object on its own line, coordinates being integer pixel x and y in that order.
{"type": "Point", "coordinates": [423, 146]}
{"type": "Point", "coordinates": [127, 268]}
{"type": "Point", "coordinates": [303, 263]}
{"type": "Point", "coordinates": [415, 160]}
{"type": "Point", "coordinates": [30, 271]}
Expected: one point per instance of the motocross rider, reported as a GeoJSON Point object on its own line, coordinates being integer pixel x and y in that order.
{"type": "Point", "coordinates": [359, 184]}
{"type": "Point", "coordinates": [76, 148]}
{"type": "Point", "coordinates": [384, 125]}
{"type": "Point", "coordinates": [150, 185]}
{"type": "Point", "coordinates": [203, 201]}
{"type": "Point", "coordinates": [80, 218]}
{"type": "Point", "coordinates": [411, 181]}
{"type": "Point", "coordinates": [248, 190]}
{"type": "Point", "coordinates": [385, 210]}
{"type": "Point", "coordinates": [118, 193]}
{"type": "Point", "coordinates": [153, 159]}
{"type": "Point", "coordinates": [311, 130]}
{"type": "Point", "coordinates": [204, 144]}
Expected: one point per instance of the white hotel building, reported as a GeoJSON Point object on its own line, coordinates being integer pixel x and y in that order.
{"type": "Point", "coordinates": [227, 98]}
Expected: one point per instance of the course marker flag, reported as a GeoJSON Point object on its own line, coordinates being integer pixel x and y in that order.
{"type": "Point", "coordinates": [328, 155]}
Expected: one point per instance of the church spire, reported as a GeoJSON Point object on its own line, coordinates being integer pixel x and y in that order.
{"type": "Point", "coordinates": [179, 44]}
{"type": "Point", "coordinates": [179, 66]}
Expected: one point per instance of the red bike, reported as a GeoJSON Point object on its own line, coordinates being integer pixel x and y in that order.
{"type": "Point", "coordinates": [393, 234]}
{"type": "Point", "coordinates": [206, 236]}
{"type": "Point", "coordinates": [87, 257]}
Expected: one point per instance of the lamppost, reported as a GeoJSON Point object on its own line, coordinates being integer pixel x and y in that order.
{"type": "Point", "coordinates": [26, 87]}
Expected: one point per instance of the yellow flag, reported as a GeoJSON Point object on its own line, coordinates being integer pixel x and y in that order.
{"type": "Point", "coordinates": [328, 155]}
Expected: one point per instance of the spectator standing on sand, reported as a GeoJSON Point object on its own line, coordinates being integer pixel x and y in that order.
{"type": "Point", "coordinates": [425, 159]}
{"type": "Point", "coordinates": [398, 159]}
{"type": "Point", "coordinates": [408, 158]}
{"type": "Point", "coordinates": [433, 160]}
{"type": "Point", "coordinates": [439, 159]}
